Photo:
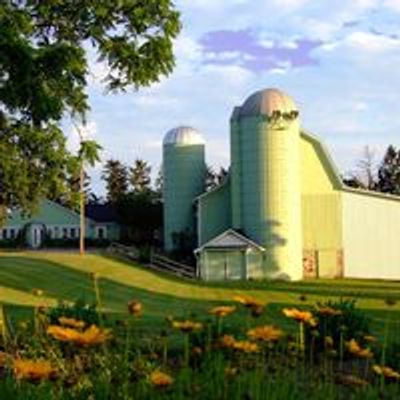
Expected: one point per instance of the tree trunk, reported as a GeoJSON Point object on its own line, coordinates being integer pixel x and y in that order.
{"type": "Point", "coordinates": [82, 213]}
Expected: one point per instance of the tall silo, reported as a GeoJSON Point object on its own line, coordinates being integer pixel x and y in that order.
{"type": "Point", "coordinates": [184, 171]}
{"type": "Point", "coordinates": [265, 139]}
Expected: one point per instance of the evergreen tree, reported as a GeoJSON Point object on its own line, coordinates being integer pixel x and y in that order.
{"type": "Point", "coordinates": [139, 178]}
{"type": "Point", "coordinates": [115, 174]}
{"type": "Point", "coordinates": [389, 172]}
{"type": "Point", "coordinates": [159, 183]}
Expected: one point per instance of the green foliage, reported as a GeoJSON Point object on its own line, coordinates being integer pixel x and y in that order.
{"type": "Point", "coordinates": [115, 175]}
{"type": "Point", "coordinates": [140, 176]}
{"type": "Point", "coordinates": [389, 172]}
{"type": "Point", "coordinates": [79, 310]}
{"type": "Point", "coordinates": [43, 77]}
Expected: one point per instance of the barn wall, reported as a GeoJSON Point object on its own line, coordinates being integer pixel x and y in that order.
{"type": "Point", "coordinates": [371, 236]}
{"type": "Point", "coordinates": [214, 213]}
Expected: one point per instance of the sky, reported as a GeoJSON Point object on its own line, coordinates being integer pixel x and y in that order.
{"type": "Point", "coordinates": [339, 60]}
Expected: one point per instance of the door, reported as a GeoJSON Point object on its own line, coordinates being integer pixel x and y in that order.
{"type": "Point", "coordinates": [235, 265]}
{"type": "Point", "coordinates": [36, 236]}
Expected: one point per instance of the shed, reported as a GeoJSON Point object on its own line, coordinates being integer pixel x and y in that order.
{"type": "Point", "coordinates": [231, 256]}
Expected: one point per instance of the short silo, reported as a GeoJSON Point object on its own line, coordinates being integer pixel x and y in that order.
{"type": "Point", "coordinates": [265, 139]}
{"type": "Point", "coordinates": [184, 171]}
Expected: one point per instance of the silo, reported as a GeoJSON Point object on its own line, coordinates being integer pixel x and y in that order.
{"type": "Point", "coordinates": [184, 177]}
{"type": "Point", "coordinates": [266, 135]}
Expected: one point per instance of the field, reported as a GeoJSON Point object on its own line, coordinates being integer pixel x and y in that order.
{"type": "Point", "coordinates": [69, 277]}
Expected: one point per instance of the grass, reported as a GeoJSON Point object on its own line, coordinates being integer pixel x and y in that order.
{"type": "Point", "coordinates": [68, 277]}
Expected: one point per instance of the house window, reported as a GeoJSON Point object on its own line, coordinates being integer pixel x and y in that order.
{"type": "Point", "coordinates": [12, 233]}
{"type": "Point", "coordinates": [5, 234]}
{"type": "Point", "coordinates": [65, 233]}
{"type": "Point", "coordinates": [72, 233]}
{"type": "Point", "coordinates": [56, 232]}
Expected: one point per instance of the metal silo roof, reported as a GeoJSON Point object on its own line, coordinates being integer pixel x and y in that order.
{"type": "Point", "coordinates": [265, 102]}
{"type": "Point", "coordinates": [183, 136]}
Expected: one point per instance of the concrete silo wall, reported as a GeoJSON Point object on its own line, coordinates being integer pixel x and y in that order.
{"type": "Point", "coordinates": [270, 192]}
{"type": "Point", "coordinates": [184, 172]}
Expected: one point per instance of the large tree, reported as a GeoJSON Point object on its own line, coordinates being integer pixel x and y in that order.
{"type": "Point", "coordinates": [115, 175]}
{"type": "Point", "coordinates": [43, 78]}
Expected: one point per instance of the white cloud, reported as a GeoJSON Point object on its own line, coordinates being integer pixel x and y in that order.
{"type": "Point", "coordinates": [372, 42]}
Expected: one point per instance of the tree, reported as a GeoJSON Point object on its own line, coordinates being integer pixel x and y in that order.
{"type": "Point", "coordinates": [88, 155]}
{"type": "Point", "coordinates": [115, 175]}
{"type": "Point", "coordinates": [365, 176]}
{"type": "Point", "coordinates": [389, 172]}
{"type": "Point", "coordinates": [140, 179]}
{"type": "Point", "coordinates": [159, 184]}
{"type": "Point", "coordinates": [43, 77]}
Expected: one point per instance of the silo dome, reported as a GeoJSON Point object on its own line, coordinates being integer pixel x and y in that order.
{"type": "Point", "coordinates": [183, 136]}
{"type": "Point", "coordinates": [266, 102]}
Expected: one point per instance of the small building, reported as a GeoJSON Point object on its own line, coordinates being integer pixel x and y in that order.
{"type": "Point", "coordinates": [54, 224]}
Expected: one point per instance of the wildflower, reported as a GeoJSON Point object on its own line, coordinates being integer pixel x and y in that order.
{"type": "Point", "coordinates": [91, 336]}
{"type": "Point", "coordinates": [370, 339]}
{"type": "Point", "coordinates": [187, 326]}
{"type": "Point", "coordinates": [160, 379]}
{"type": "Point", "coordinates": [230, 371]}
{"type": "Point", "coordinates": [71, 322]}
{"type": "Point", "coordinates": [329, 311]}
{"type": "Point", "coordinates": [387, 372]}
{"type": "Point", "coordinates": [267, 333]}
{"type": "Point", "coordinates": [222, 311]}
{"type": "Point", "coordinates": [248, 301]}
{"type": "Point", "coordinates": [352, 380]}
{"type": "Point", "coordinates": [33, 370]}
{"type": "Point", "coordinates": [230, 342]}
{"type": "Point", "coordinates": [135, 308]}
{"type": "Point", "coordinates": [300, 316]}
{"type": "Point", "coordinates": [354, 348]}
{"type": "Point", "coordinates": [328, 341]}
{"type": "Point", "coordinates": [37, 292]}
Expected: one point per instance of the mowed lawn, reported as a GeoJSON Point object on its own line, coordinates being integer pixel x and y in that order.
{"type": "Point", "coordinates": [66, 276]}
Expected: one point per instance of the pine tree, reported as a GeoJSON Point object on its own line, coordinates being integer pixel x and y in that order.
{"type": "Point", "coordinates": [115, 174]}
{"type": "Point", "coordinates": [389, 172]}
{"type": "Point", "coordinates": [140, 179]}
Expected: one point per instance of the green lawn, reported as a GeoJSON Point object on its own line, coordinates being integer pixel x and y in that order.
{"type": "Point", "coordinates": [65, 276]}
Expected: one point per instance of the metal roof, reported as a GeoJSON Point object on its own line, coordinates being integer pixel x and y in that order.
{"type": "Point", "coordinates": [183, 136]}
{"type": "Point", "coordinates": [265, 102]}
{"type": "Point", "coordinates": [230, 239]}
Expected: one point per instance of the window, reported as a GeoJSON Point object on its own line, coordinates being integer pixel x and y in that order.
{"type": "Point", "coordinates": [12, 233]}
{"type": "Point", "coordinates": [72, 233]}
{"type": "Point", "coordinates": [5, 233]}
{"type": "Point", "coordinates": [65, 233]}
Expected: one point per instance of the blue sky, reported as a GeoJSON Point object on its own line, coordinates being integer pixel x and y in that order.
{"type": "Point", "coordinates": [339, 60]}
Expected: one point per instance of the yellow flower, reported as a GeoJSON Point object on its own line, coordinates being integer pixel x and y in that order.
{"type": "Point", "coordinates": [352, 380]}
{"type": "Point", "coordinates": [300, 316]}
{"type": "Point", "coordinates": [90, 336]}
{"type": "Point", "coordinates": [33, 370]}
{"type": "Point", "coordinates": [328, 341]}
{"type": "Point", "coordinates": [160, 379]}
{"type": "Point", "coordinates": [71, 322]}
{"type": "Point", "coordinates": [370, 339]}
{"type": "Point", "coordinates": [187, 326]}
{"type": "Point", "coordinates": [354, 348]}
{"type": "Point", "coordinates": [329, 311]}
{"type": "Point", "coordinates": [248, 301]}
{"type": "Point", "coordinates": [230, 342]}
{"type": "Point", "coordinates": [387, 372]}
{"type": "Point", "coordinates": [135, 308]}
{"type": "Point", "coordinates": [267, 333]}
{"type": "Point", "coordinates": [222, 311]}
{"type": "Point", "coordinates": [37, 292]}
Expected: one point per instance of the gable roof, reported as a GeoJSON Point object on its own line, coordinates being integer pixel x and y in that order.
{"type": "Point", "coordinates": [102, 212]}
{"type": "Point", "coordinates": [230, 239]}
